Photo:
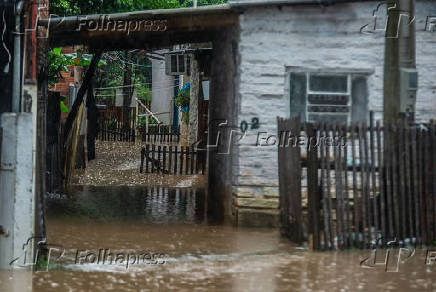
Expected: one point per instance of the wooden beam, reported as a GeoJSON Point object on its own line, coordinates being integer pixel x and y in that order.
{"type": "Point", "coordinates": [79, 99]}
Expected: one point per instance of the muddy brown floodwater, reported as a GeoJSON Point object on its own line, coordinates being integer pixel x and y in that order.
{"type": "Point", "coordinates": [193, 255]}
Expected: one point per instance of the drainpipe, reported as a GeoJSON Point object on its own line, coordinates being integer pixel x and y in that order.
{"type": "Point", "coordinates": [16, 83]}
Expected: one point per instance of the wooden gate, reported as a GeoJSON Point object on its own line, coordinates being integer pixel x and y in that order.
{"type": "Point", "coordinates": [364, 185]}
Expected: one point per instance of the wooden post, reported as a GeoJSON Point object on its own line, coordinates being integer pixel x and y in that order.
{"type": "Point", "coordinates": [141, 167]}
{"type": "Point", "coordinates": [170, 158]}
{"type": "Point", "coordinates": [323, 183]}
{"type": "Point", "coordinates": [373, 176]}
{"type": "Point", "coordinates": [381, 179]}
{"type": "Point", "coordinates": [164, 160]}
{"type": "Point", "coordinates": [79, 98]}
{"type": "Point", "coordinates": [181, 159]}
{"type": "Point", "coordinates": [152, 157]}
{"type": "Point", "coordinates": [175, 158]}
{"type": "Point", "coordinates": [312, 186]}
{"type": "Point", "coordinates": [356, 202]}
{"type": "Point", "coordinates": [363, 197]}
{"type": "Point", "coordinates": [338, 178]}
{"type": "Point", "coordinates": [343, 135]}
{"type": "Point", "coordinates": [401, 172]}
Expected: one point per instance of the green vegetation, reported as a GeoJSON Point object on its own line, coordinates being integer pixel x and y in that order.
{"type": "Point", "coordinates": [143, 91]}
{"type": "Point", "coordinates": [58, 62]}
{"type": "Point", "coordinates": [182, 98]}
{"type": "Point", "coordinates": [81, 7]}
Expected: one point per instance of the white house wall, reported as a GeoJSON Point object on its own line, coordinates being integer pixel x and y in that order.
{"type": "Point", "coordinates": [162, 91]}
{"type": "Point", "coordinates": [274, 39]}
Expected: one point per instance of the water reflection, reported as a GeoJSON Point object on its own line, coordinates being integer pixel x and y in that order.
{"type": "Point", "coordinates": [199, 256]}
{"type": "Point", "coordinates": [148, 204]}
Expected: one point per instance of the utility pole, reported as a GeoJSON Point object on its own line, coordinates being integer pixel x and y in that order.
{"type": "Point", "coordinates": [400, 76]}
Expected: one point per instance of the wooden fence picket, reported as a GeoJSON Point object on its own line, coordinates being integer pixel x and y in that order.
{"type": "Point", "coordinates": [390, 167]}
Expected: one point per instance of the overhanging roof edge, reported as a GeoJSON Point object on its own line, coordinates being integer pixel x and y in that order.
{"type": "Point", "coordinates": [142, 14]}
{"type": "Point", "coordinates": [231, 7]}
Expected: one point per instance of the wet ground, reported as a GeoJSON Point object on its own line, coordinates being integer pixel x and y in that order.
{"type": "Point", "coordinates": [171, 246]}
{"type": "Point", "coordinates": [117, 163]}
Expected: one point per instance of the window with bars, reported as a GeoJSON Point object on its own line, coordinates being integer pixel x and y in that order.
{"type": "Point", "coordinates": [177, 64]}
{"type": "Point", "coordinates": [332, 97]}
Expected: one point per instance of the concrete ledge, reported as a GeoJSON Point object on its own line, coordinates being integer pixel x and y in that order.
{"type": "Point", "coordinates": [258, 203]}
{"type": "Point", "coordinates": [255, 191]}
{"type": "Point", "coordinates": [257, 218]}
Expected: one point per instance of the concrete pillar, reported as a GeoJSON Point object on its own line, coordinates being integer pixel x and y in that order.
{"type": "Point", "coordinates": [16, 196]}
{"type": "Point", "coordinates": [193, 101]}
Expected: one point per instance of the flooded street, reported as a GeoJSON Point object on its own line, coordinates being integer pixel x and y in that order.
{"type": "Point", "coordinates": [172, 247]}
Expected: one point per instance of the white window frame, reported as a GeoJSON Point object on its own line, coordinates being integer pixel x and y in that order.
{"type": "Point", "coordinates": [352, 72]}
{"type": "Point", "coordinates": [347, 93]}
{"type": "Point", "coordinates": [168, 64]}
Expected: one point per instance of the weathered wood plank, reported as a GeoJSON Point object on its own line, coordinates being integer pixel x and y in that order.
{"type": "Point", "coordinates": [164, 160]}
{"type": "Point", "coordinates": [395, 184]}
{"type": "Point", "coordinates": [329, 198]}
{"type": "Point", "coordinates": [312, 186]}
{"type": "Point", "coordinates": [416, 192]}
{"type": "Point", "coordinates": [408, 178]}
{"type": "Point", "coordinates": [401, 175]}
{"type": "Point", "coordinates": [141, 167]}
{"type": "Point", "coordinates": [338, 179]}
{"type": "Point", "coordinates": [346, 187]}
{"type": "Point", "coordinates": [356, 202]}
{"type": "Point", "coordinates": [295, 208]}
{"type": "Point", "coordinates": [373, 175]}
{"type": "Point", "coordinates": [323, 158]}
{"type": "Point", "coordinates": [362, 132]}
{"type": "Point", "coordinates": [426, 184]}
{"type": "Point", "coordinates": [381, 178]}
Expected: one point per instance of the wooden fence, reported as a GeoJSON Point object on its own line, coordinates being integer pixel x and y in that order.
{"type": "Point", "coordinates": [172, 160]}
{"type": "Point", "coordinates": [114, 115]}
{"type": "Point", "coordinates": [114, 131]}
{"type": "Point", "coordinates": [363, 185]}
{"type": "Point", "coordinates": [159, 134]}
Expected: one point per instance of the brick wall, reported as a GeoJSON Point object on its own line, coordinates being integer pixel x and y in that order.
{"type": "Point", "coordinates": [67, 77]}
